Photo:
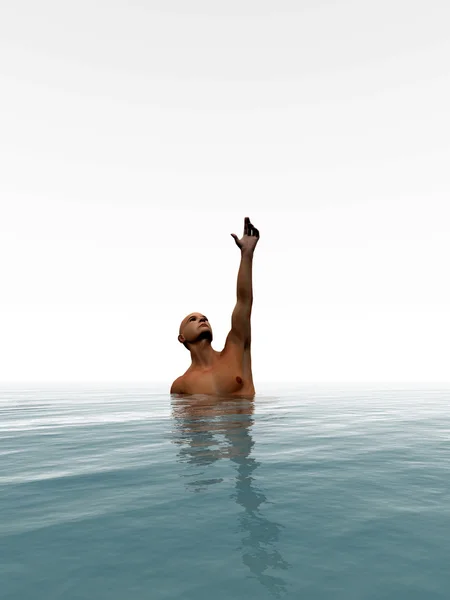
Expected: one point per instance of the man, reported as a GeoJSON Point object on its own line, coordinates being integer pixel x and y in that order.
{"type": "Point", "coordinates": [228, 372]}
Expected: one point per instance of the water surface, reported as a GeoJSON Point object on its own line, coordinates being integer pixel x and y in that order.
{"type": "Point", "coordinates": [306, 492]}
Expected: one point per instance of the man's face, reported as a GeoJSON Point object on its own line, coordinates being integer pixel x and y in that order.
{"type": "Point", "coordinates": [193, 326]}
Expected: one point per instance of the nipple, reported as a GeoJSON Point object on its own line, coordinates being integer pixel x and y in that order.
{"type": "Point", "coordinates": [239, 380]}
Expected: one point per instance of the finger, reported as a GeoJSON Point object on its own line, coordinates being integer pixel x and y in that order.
{"type": "Point", "coordinates": [236, 239]}
{"type": "Point", "coordinates": [256, 232]}
{"type": "Point", "coordinates": [246, 226]}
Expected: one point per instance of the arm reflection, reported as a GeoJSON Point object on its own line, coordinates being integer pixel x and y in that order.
{"type": "Point", "coordinates": [208, 429]}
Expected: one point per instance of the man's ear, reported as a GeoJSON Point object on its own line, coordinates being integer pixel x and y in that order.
{"type": "Point", "coordinates": [181, 338]}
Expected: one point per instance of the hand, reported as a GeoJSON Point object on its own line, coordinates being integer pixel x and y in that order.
{"type": "Point", "coordinates": [250, 238]}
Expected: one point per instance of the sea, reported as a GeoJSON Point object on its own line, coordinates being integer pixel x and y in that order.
{"type": "Point", "coordinates": [307, 492]}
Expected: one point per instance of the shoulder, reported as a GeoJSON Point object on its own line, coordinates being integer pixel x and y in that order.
{"type": "Point", "coordinates": [178, 386]}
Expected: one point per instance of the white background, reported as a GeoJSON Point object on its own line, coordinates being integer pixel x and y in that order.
{"type": "Point", "coordinates": [136, 136]}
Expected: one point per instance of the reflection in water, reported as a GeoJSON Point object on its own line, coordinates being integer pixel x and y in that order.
{"type": "Point", "coordinates": [208, 429]}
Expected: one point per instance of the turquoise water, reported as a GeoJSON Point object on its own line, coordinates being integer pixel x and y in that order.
{"type": "Point", "coordinates": [309, 492]}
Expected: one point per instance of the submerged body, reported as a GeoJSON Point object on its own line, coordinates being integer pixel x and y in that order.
{"type": "Point", "coordinates": [228, 372]}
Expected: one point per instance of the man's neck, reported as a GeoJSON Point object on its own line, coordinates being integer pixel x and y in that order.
{"type": "Point", "coordinates": [202, 354]}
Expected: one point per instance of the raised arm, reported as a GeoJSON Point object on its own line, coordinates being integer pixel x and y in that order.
{"type": "Point", "coordinates": [240, 320]}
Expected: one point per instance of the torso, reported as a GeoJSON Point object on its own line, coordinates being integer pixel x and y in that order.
{"type": "Point", "coordinates": [230, 375]}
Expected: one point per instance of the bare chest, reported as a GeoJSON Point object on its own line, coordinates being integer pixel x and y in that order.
{"type": "Point", "coordinates": [222, 378]}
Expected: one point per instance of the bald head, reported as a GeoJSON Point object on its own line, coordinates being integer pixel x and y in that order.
{"type": "Point", "coordinates": [193, 328]}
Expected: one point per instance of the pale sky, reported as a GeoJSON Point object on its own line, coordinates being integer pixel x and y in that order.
{"type": "Point", "coordinates": [136, 136]}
